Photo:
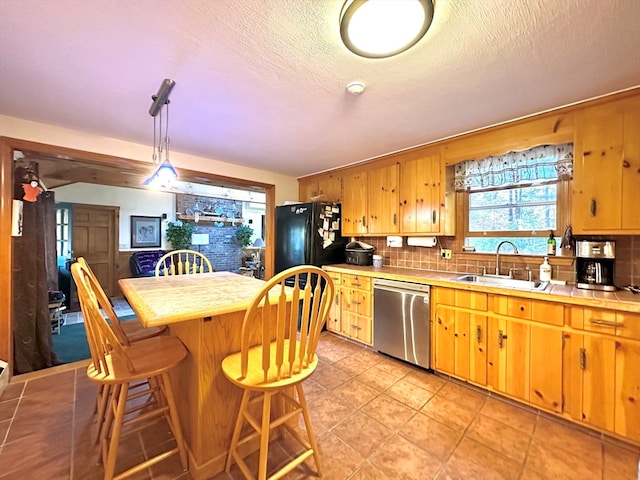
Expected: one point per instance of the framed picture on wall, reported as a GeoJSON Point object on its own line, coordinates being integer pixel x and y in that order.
{"type": "Point", "coordinates": [145, 232]}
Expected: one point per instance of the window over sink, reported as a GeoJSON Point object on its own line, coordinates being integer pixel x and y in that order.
{"type": "Point", "coordinates": [519, 196]}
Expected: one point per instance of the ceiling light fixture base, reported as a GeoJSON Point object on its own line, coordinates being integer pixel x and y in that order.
{"type": "Point", "coordinates": [356, 88]}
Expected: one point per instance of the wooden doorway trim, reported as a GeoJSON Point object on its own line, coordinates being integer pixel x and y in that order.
{"type": "Point", "coordinates": [8, 145]}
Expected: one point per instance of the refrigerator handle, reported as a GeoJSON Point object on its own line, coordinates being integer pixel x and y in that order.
{"type": "Point", "coordinates": [307, 244]}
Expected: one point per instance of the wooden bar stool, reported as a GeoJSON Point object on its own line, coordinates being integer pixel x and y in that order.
{"type": "Point", "coordinates": [127, 332]}
{"type": "Point", "coordinates": [119, 366]}
{"type": "Point", "coordinates": [289, 320]}
{"type": "Point", "coordinates": [183, 262]}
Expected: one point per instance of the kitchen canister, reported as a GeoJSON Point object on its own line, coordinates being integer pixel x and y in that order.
{"type": "Point", "coordinates": [377, 261]}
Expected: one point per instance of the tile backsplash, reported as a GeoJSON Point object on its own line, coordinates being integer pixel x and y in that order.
{"type": "Point", "coordinates": [563, 268]}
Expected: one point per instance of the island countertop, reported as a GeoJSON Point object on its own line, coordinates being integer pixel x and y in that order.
{"type": "Point", "coordinates": [178, 298]}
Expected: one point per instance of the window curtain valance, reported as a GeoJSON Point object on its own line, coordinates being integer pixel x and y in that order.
{"type": "Point", "coordinates": [547, 162]}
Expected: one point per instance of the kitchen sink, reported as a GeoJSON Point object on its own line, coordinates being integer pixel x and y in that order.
{"type": "Point", "coordinates": [503, 282]}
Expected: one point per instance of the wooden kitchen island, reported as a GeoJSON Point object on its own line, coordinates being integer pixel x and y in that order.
{"type": "Point", "coordinates": [205, 312]}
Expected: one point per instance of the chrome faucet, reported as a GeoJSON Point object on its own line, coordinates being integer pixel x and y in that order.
{"type": "Point", "coordinates": [515, 251]}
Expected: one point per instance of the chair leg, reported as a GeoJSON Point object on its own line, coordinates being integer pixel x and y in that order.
{"type": "Point", "coordinates": [307, 424]}
{"type": "Point", "coordinates": [237, 429]}
{"type": "Point", "coordinates": [112, 452]}
{"type": "Point", "coordinates": [264, 436]}
{"type": "Point", "coordinates": [101, 406]}
{"type": "Point", "coordinates": [110, 407]}
{"type": "Point", "coordinates": [174, 421]}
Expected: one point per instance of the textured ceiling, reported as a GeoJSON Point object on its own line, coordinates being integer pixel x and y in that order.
{"type": "Point", "coordinates": [261, 83]}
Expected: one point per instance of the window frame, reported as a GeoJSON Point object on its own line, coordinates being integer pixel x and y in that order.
{"type": "Point", "coordinates": [563, 214]}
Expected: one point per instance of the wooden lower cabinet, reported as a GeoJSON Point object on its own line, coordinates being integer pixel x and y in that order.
{"type": "Point", "coordinates": [460, 344]}
{"type": "Point", "coordinates": [627, 390]}
{"type": "Point", "coordinates": [589, 379]}
{"type": "Point", "coordinates": [601, 376]}
{"type": "Point", "coordinates": [508, 357]}
{"type": "Point", "coordinates": [545, 383]}
{"type": "Point", "coordinates": [352, 307]}
{"type": "Point", "coordinates": [334, 320]}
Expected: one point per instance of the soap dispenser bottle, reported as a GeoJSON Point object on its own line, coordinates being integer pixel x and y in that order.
{"type": "Point", "coordinates": [545, 271]}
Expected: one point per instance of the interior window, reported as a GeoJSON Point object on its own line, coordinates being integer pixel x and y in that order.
{"type": "Point", "coordinates": [63, 234]}
{"type": "Point", "coordinates": [515, 197]}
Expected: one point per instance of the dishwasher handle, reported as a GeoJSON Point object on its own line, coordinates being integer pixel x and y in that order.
{"type": "Point", "coordinates": [400, 287]}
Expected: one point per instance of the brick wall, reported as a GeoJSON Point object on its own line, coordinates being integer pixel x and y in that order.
{"type": "Point", "coordinates": [222, 251]}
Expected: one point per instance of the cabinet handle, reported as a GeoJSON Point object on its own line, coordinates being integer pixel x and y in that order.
{"type": "Point", "coordinates": [478, 333]}
{"type": "Point", "coordinates": [355, 284]}
{"type": "Point", "coordinates": [395, 219]}
{"type": "Point", "coordinates": [593, 207]}
{"type": "Point", "coordinates": [583, 359]}
{"type": "Point", "coordinates": [355, 302]}
{"type": "Point", "coordinates": [433, 216]}
{"type": "Point", "coordinates": [606, 323]}
{"type": "Point", "coordinates": [337, 301]}
{"type": "Point", "coordinates": [501, 338]}
{"type": "Point", "coordinates": [364, 221]}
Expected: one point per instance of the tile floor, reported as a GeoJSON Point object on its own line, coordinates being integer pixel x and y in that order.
{"type": "Point", "coordinates": [374, 418]}
{"type": "Point", "coordinates": [120, 305]}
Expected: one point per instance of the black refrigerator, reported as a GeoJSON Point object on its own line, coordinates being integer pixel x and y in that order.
{"type": "Point", "coordinates": [308, 234]}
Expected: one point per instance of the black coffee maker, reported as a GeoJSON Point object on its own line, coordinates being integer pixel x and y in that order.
{"type": "Point", "coordinates": [595, 262]}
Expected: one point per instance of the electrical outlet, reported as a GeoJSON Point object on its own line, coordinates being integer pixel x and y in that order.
{"type": "Point", "coordinates": [446, 253]}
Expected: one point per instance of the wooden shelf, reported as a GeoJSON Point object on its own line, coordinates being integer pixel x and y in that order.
{"type": "Point", "coordinates": [209, 218]}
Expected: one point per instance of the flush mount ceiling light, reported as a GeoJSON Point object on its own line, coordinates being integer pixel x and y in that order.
{"type": "Point", "coordinates": [163, 172]}
{"type": "Point", "coordinates": [383, 28]}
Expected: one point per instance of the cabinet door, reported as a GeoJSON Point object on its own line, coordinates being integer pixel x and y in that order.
{"type": "Point", "coordinates": [383, 200]}
{"type": "Point", "coordinates": [597, 172]}
{"type": "Point", "coordinates": [508, 357]}
{"type": "Point", "coordinates": [607, 168]}
{"type": "Point", "coordinates": [354, 204]}
{"type": "Point", "coordinates": [478, 352]}
{"type": "Point", "coordinates": [444, 341]}
{"type": "Point", "coordinates": [421, 195]}
{"type": "Point", "coordinates": [333, 320]}
{"type": "Point", "coordinates": [597, 360]}
{"type": "Point", "coordinates": [462, 344]}
{"type": "Point", "coordinates": [631, 169]}
{"type": "Point", "coordinates": [306, 190]}
{"type": "Point", "coordinates": [330, 187]}
{"type": "Point", "coordinates": [627, 390]}
{"type": "Point", "coordinates": [546, 368]}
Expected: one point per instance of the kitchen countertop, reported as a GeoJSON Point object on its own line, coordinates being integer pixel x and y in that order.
{"type": "Point", "coordinates": [621, 300]}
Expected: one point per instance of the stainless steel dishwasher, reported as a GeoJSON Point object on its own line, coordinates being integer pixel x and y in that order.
{"type": "Point", "coordinates": [401, 321]}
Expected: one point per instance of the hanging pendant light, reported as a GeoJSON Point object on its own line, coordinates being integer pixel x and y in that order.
{"type": "Point", "coordinates": [163, 172]}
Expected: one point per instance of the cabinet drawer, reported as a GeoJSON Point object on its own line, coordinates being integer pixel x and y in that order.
{"type": "Point", "coordinates": [356, 281]}
{"type": "Point", "coordinates": [460, 298]}
{"type": "Point", "coordinates": [336, 277]}
{"type": "Point", "coordinates": [519, 308]}
{"type": "Point", "coordinates": [547, 312]}
{"type": "Point", "coordinates": [598, 320]}
{"type": "Point", "coordinates": [356, 301]}
{"type": "Point", "coordinates": [628, 325]}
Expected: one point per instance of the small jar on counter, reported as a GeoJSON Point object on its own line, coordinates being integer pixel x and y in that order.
{"type": "Point", "coordinates": [377, 261]}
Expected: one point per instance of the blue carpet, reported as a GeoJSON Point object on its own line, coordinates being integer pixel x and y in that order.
{"type": "Point", "coordinates": [71, 344]}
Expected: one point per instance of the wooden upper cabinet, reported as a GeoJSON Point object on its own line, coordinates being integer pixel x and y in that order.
{"type": "Point", "coordinates": [421, 195]}
{"type": "Point", "coordinates": [607, 168]}
{"type": "Point", "coordinates": [354, 204]}
{"type": "Point", "coordinates": [383, 200]}
{"type": "Point", "coordinates": [326, 188]}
